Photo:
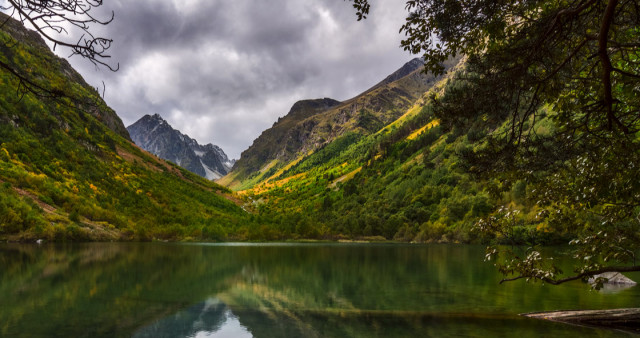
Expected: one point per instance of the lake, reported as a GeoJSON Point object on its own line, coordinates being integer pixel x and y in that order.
{"type": "Point", "coordinates": [278, 290]}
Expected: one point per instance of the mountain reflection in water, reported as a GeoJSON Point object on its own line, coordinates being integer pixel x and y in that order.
{"type": "Point", "coordinates": [277, 290]}
{"type": "Point", "coordinates": [210, 318]}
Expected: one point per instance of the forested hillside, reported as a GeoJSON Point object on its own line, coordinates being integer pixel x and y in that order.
{"type": "Point", "coordinates": [406, 181]}
{"type": "Point", "coordinates": [68, 170]}
{"type": "Point", "coordinates": [439, 173]}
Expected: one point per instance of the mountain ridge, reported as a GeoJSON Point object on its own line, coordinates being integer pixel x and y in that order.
{"type": "Point", "coordinates": [296, 135]}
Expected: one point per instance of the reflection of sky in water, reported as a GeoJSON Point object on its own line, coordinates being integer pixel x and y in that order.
{"type": "Point", "coordinates": [231, 328]}
{"type": "Point", "coordinates": [210, 318]}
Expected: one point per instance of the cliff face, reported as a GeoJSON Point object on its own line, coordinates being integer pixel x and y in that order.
{"type": "Point", "coordinates": [155, 135]}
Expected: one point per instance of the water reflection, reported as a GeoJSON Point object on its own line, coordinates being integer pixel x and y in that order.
{"type": "Point", "coordinates": [616, 288]}
{"type": "Point", "coordinates": [149, 290]}
{"type": "Point", "coordinates": [210, 318]}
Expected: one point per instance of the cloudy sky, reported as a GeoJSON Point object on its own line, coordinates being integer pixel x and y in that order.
{"type": "Point", "coordinates": [222, 71]}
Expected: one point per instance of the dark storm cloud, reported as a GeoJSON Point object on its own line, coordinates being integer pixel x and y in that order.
{"type": "Point", "coordinates": [224, 70]}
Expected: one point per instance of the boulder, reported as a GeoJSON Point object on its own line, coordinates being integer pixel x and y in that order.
{"type": "Point", "coordinates": [612, 278]}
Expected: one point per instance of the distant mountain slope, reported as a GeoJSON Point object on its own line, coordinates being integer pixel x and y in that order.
{"type": "Point", "coordinates": [312, 124]}
{"type": "Point", "coordinates": [68, 170]}
{"type": "Point", "coordinates": [154, 134]}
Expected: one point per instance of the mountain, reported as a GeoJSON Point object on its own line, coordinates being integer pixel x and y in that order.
{"type": "Point", "coordinates": [153, 134]}
{"type": "Point", "coordinates": [405, 179]}
{"type": "Point", "coordinates": [445, 170]}
{"type": "Point", "coordinates": [69, 171]}
{"type": "Point", "coordinates": [395, 168]}
{"type": "Point", "coordinates": [313, 124]}
{"type": "Point", "coordinates": [283, 139]}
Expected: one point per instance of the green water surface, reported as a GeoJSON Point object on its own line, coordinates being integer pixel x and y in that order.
{"type": "Point", "coordinates": [278, 290]}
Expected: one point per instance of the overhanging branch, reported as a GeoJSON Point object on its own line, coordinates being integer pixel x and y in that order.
{"type": "Point", "coordinates": [578, 276]}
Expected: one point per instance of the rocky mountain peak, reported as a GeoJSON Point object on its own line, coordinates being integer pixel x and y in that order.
{"type": "Point", "coordinates": [154, 134]}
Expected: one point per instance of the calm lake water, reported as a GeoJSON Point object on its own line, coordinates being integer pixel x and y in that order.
{"type": "Point", "coordinates": [278, 290]}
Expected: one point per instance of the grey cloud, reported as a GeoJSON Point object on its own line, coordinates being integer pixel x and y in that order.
{"type": "Point", "coordinates": [224, 70]}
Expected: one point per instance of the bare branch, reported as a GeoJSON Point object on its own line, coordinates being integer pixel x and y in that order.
{"type": "Point", "coordinates": [52, 15]}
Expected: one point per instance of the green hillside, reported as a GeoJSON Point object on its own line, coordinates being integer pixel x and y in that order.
{"type": "Point", "coordinates": [69, 172]}
{"type": "Point", "coordinates": [403, 182]}
{"type": "Point", "coordinates": [440, 173]}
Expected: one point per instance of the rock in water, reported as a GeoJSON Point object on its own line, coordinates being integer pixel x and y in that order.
{"type": "Point", "coordinates": [612, 278]}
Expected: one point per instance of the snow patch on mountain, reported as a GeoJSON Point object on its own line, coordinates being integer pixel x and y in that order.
{"type": "Point", "coordinates": [209, 173]}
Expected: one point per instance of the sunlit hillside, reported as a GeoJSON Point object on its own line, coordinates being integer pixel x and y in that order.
{"type": "Point", "coordinates": [68, 170]}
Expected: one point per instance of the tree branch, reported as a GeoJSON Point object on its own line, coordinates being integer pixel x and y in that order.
{"type": "Point", "coordinates": [50, 14]}
{"type": "Point", "coordinates": [617, 70]}
{"type": "Point", "coordinates": [579, 276]}
{"type": "Point", "coordinates": [31, 86]}
{"type": "Point", "coordinates": [607, 67]}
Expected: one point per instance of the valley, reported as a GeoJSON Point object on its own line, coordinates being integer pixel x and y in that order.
{"type": "Point", "coordinates": [470, 191]}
